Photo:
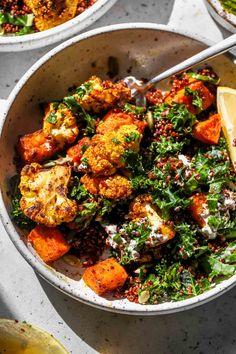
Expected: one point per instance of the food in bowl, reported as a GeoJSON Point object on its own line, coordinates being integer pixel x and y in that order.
{"type": "Point", "coordinates": [20, 17]}
{"type": "Point", "coordinates": [144, 197]}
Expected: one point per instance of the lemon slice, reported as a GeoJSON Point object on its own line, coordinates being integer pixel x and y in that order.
{"type": "Point", "coordinates": [226, 105]}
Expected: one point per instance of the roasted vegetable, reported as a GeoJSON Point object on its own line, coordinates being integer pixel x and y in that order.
{"type": "Point", "coordinates": [60, 123]}
{"type": "Point", "coordinates": [196, 96]}
{"type": "Point", "coordinates": [105, 276]}
{"type": "Point", "coordinates": [208, 131]}
{"type": "Point", "coordinates": [37, 147]}
{"type": "Point", "coordinates": [76, 152]}
{"type": "Point", "coordinates": [111, 187]}
{"type": "Point", "coordinates": [49, 243]}
{"type": "Point", "coordinates": [44, 194]}
{"type": "Point", "coordinates": [105, 154]}
{"type": "Point", "coordinates": [49, 14]}
{"type": "Point", "coordinates": [198, 207]}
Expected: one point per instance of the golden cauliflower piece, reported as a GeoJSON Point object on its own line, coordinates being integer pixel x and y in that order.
{"type": "Point", "coordinates": [96, 95]}
{"type": "Point", "coordinates": [44, 194]}
{"type": "Point", "coordinates": [104, 155]}
{"type": "Point", "coordinates": [50, 13]}
{"type": "Point", "coordinates": [142, 207]}
{"type": "Point", "coordinates": [113, 187]}
{"type": "Point", "coordinates": [60, 123]}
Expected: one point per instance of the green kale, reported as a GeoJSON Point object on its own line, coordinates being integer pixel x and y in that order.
{"type": "Point", "coordinates": [164, 147]}
{"type": "Point", "coordinates": [17, 214]}
{"type": "Point", "coordinates": [185, 240]}
{"type": "Point", "coordinates": [178, 115]}
{"type": "Point", "coordinates": [167, 200]}
{"type": "Point", "coordinates": [52, 118]}
{"type": "Point", "coordinates": [135, 236]}
{"type": "Point", "coordinates": [221, 263]}
{"type": "Point", "coordinates": [133, 136]}
{"type": "Point", "coordinates": [77, 191]}
{"type": "Point", "coordinates": [205, 78]}
{"type": "Point", "coordinates": [134, 109]}
{"type": "Point", "coordinates": [82, 116]}
{"type": "Point", "coordinates": [106, 206]}
{"type": "Point", "coordinates": [115, 141]}
{"type": "Point", "coordinates": [86, 213]}
{"type": "Point", "coordinates": [169, 282]}
{"type": "Point", "coordinates": [133, 162]}
{"type": "Point", "coordinates": [84, 89]}
{"type": "Point", "coordinates": [196, 99]}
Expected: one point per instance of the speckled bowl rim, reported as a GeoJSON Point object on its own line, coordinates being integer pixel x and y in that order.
{"type": "Point", "coordinates": [58, 33]}
{"type": "Point", "coordinates": [223, 17]}
{"type": "Point", "coordinates": [57, 279]}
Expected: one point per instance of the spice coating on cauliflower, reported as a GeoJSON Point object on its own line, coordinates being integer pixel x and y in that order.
{"type": "Point", "coordinates": [142, 207]}
{"type": "Point", "coordinates": [98, 95]}
{"type": "Point", "coordinates": [60, 123]}
{"type": "Point", "coordinates": [44, 194]}
{"type": "Point", "coordinates": [113, 187]}
{"type": "Point", "coordinates": [105, 154]}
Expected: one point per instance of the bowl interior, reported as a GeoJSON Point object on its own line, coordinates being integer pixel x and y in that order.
{"type": "Point", "coordinates": [142, 52]}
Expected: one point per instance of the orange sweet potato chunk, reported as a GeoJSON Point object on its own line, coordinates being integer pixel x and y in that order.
{"type": "Point", "coordinates": [49, 243]}
{"type": "Point", "coordinates": [209, 130]}
{"type": "Point", "coordinates": [105, 276]}
{"type": "Point", "coordinates": [197, 208]}
{"type": "Point", "coordinates": [205, 94]}
{"type": "Point", "coordinates": [36, 147]}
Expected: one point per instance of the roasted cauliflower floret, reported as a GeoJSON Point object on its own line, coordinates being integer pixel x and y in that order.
{"type": "Point", "coordinates": [115, 119]}
{"type": "Point", "coordinates": [96, 95]}
{"type": "Point", "coordinates": [104, 155]}
{"type": "Point", "coordinates": [44, 194]}
{"type": "Point", "coordinates": [113, 187]}
{"type": "Point", "coordinates": [60, 123]}
{"type": "Point", "coordinates": [142, 207]}
{"type": "Point", "coordinates": [50, 13]}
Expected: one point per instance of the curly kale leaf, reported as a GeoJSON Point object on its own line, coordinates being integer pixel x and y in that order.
{"type": "Point", "coordinates": [82, 116]}
{"type": "Point", "coordinates": [221, 263]}
{"type": "Point", "coordinates": [17, 214]}
{"type": "Point", "coordinates": [169, 282]}
{"type": "Point", "coordinates": [178, 115]}
{"type": "Point", "coordinates": [167, 200]}
{"type": "Point", "coordinates": [133, 162]}
{"type": "Point", "coordinates": [185, 240]}
{"type": "Point", "coordinates": [77, 191]}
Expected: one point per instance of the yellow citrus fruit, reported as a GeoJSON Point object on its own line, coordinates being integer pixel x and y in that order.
{"type": "Point", "coordinates": [226, 105]}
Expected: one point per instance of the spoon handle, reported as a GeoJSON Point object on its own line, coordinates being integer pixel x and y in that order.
{"type": "Point", "coordinates": [211, 52]}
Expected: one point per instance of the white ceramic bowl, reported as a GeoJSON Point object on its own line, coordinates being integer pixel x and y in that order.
{"type": "Point", "coordinates": [58, 33]}
{"type": "Point", "coordinates": [220, 15]}
{"type": "Point", "coordinates": [142, 50]}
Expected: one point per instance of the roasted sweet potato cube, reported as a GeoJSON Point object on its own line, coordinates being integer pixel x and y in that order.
{"type": "Point", "coordinates": [205, 94]}
{"type": "Point", "coordinates": [209, 130]}
{"type": "Point", "coordinates": [49, 243]}
{"type": "Point", "coordinates": [105, 276]}
{"type": "Point", "coordinates": [116, 118]}
{"type": "Point", "coordinates": [36, 147]}
{"type": "Point", "coordinates": [198, 207]}
{"type": "Point", "coordinates": [76, 152]}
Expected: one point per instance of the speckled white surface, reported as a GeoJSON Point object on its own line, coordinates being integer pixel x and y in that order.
{"type": "Point", "coordinates": [208, 329]}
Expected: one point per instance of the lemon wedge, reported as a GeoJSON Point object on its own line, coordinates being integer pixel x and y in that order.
{"type": "Point", "coordinates": [226, 106]}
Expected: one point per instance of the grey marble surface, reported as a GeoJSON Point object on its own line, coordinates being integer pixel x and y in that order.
{"type": "Point", "coordinates": [208, 329]}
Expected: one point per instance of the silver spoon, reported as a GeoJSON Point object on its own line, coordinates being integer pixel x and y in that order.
{"type": "Point", "coordinates": [138, 89]}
